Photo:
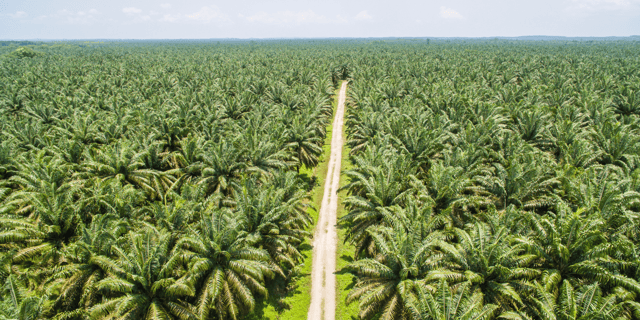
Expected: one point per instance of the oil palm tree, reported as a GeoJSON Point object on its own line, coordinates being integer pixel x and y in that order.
{"type": "Point", "coordinates": [76, 280]}
{"type": "Point", "coordinates": [363, 131]}
{"type": "Point", "coordinates": [273, 220]}
{"type": "Point", "coordinates": [566, 303]}
{"type": "Point", "coordinates": [377, 192]}
{"type": "Point", "coordinates": [262, 153]}
{"type": "Point", "coordinates": [21, 304]}
{"type": "Point", "coordinates": [523, 179]}
{"type": "Point", "coordinates": [222, 164]}
{"type": "Point", "coordinates": [304, 142]}
{"type": "Point", "coordinates": [38, 177]}
{"type": "Point", "coordinates": [575, 246]}
{"type": "Point", "coordinates": [225, 270]}
{"type": "Point", "coordinates": [607, 192]}
{"type": "Point", "coordinates": [627, 101]}
{"type": "Point", "coordinates": [123, 163]}
{"type": "Point", "coordinates": [186, 162]}
{"type": "Point", "coordinates": [454, 191]}
{"type": "Point", "coordinates": [49, 228]}
{"type": "Point", "coordinates": [388, 283]}
{"type": "Point", "coordinates": [482, 255]}
{"type": "Point", "coordinates": [145, 280]}
{"type": "Point", "coordinates": [617, 142]}
{"type": "Point", "coordinates": [443, 302]}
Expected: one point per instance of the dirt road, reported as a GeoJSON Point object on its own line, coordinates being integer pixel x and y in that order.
{"type": "Point", "coordinates": [323, 279]}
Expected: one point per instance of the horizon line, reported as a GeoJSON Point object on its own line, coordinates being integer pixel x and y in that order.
{"type": "Point", "coordinates": [318, 38]}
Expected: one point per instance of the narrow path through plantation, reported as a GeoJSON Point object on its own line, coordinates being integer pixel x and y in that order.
{"type": "Point", "coordinates": [323, 278]}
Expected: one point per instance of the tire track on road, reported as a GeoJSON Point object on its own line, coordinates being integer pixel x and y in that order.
{"type": "Point", "coordinates": [325, 240]}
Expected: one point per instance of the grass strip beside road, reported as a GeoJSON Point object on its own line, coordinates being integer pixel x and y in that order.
{"type": "Point", "coordinates": [293, 301]}
{"type": "Point", "coordinates": [345, 251]}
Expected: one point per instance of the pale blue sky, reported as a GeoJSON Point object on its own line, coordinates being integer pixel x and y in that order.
{"type": "Point", "coordinates": [197, 19]}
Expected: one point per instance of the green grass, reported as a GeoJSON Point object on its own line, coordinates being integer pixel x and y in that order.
{"type": "Point", "coordinates": [291, 301]}
{"type": "Point", "coordinates": [345, 251]}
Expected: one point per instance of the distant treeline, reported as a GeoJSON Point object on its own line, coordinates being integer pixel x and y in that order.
{"type": "Point", "coordinates": [19, 43]}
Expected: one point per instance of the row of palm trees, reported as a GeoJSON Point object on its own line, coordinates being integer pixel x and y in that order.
{"type": "Point", "coordinates": [155, 182]}
{"type": "Point", "coordinates": [495, 181]}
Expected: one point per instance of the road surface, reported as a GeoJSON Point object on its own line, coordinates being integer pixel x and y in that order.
{"type": "Point", "coordinates": [323, 278]}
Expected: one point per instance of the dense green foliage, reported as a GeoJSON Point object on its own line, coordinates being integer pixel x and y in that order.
{"type": "Point", "coordinates": [490, 179]}
{"type": "Point", "coordinates": [495, 180]}
{"type": "Point", "coordinates": [146, 181]}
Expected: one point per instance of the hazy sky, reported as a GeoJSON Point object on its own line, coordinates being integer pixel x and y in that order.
{"type": "Point", "coordinates": [164, 19]}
